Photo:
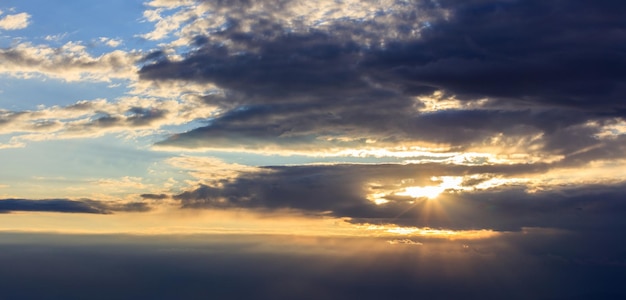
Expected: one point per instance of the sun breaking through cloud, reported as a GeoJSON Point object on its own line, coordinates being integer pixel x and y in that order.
{"type": "Point", "coordinates": [450, 135]}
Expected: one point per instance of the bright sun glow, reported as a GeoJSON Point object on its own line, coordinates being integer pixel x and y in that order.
{"type": "Point", "coordinates": [432, 192]}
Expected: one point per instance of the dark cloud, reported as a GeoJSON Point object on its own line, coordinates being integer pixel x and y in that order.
{"type": "Point", "coordinates": [560, 53]}
{"type": "Point", "coordinates": [70, 206]}
{"type": "Point", "coordinates": [153, 57]}
{"type": "Point", "coordinates": [345, 191]}
{"type": "Point", "coordinates": [135, 117]}
{"type": "Point", "coordinates": [533, 265]}
{"type": "Point", "coordinates": [546, 68]}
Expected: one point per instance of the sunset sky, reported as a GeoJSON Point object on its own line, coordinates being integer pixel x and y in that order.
{"type": "Point", "coordinates": [349, 149]}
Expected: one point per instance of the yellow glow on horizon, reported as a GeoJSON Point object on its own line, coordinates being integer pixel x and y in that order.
{"type": "Point", "coordinates": [216, 222]}
{"type": "Point", "coordinates": [427, 232]}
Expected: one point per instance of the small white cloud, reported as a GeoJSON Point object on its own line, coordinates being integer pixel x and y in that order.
{"type": "Point", "coordinates": [110, 42]}
{"type": "Point", "coordinates": [55, 37]}
{"type": "Point", "coordinates": [14, 22]}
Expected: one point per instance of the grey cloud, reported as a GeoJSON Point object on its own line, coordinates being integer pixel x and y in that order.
{"type": "Point", "coordinates": [154, 56]}
{"type": "Point", "coordinates": [82, 119]}
{"type": "Point", "coordinates": [544, 72]}
{"type": "Point", "coordinates": [289, 65]}
{"type": "Point", "coordinates": [136, 117]}
{"type": "Point", "coordinates": [70, 206]}
{"type": "Point", "coordinates": [559, 53]}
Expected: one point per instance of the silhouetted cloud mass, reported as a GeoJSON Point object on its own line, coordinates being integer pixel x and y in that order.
{"type": "Point", "coordinates": [342, 191]}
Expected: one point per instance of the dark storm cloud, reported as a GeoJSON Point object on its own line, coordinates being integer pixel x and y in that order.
{"type": "Point", "coordinates": [533, 265]}
{"type": "Point", "coordinates": [342, 191]}
{"type": "Point", "coordinates": [547, 53]}
{"type": "Point", "coordinates": [546, 66]}
{"type": "Point", "coordinates": [69, 206]}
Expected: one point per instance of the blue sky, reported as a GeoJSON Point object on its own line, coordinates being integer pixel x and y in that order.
{"type": "Point", "coordinates": [413, 124]}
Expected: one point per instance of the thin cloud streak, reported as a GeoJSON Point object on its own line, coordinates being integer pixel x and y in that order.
{"type": "Point", "coordinates": [69, 206]}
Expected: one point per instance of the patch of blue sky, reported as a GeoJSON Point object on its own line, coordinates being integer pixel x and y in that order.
{"type": "Point", "coordinates": [18, 94]}
{"type": "Point", "coordinates": [85, 21]}
{"type": "Point", "coordinates": [105, 157]}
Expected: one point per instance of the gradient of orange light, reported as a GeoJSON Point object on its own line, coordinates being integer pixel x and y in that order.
{"type": "Point", "coordinates": [163, 221]}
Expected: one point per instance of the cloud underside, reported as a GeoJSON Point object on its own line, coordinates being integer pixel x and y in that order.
{"type": "Point", "coordinates": [512, 69]}
{"type": "Point", "coordinates": [69, 206]}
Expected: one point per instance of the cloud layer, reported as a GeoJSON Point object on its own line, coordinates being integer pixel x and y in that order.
{"type": "Point", "coordinates": [516, 70]}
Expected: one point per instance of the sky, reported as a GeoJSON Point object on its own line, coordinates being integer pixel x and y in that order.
{"type": "Point", "coordinates": [328, 149]}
